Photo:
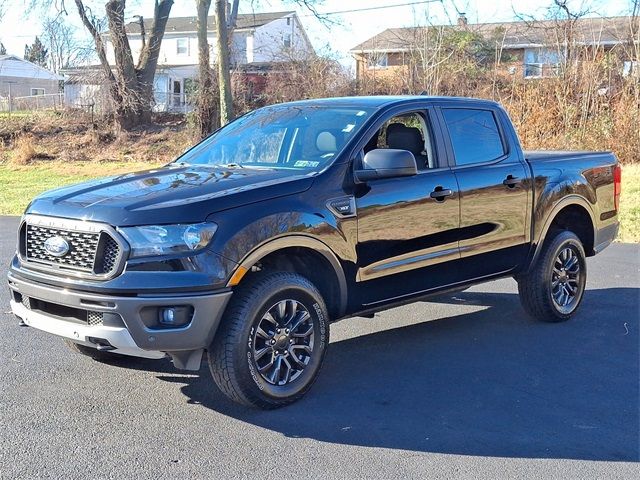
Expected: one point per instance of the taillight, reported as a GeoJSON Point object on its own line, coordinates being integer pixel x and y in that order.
{"type": "Point", "coordinates": [617, 185]}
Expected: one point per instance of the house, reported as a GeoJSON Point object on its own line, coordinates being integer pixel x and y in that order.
{"type": "Point", "coordinates": [533, 49]}
{"type": "Point", "coordinates": [260, 43]}
{"type": "Point", "coordinates": [25, 85]}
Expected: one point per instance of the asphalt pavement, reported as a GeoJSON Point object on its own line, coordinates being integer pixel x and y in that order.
{"type": "Point", "coordinates": [464, 386]}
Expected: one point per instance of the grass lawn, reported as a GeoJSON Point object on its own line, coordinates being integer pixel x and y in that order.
{"type": "Point", "coordinates": [18, 185]}
{"type": "Point", "coordinates": [630, 204]}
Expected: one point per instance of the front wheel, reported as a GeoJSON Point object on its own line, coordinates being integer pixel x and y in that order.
{"type": "Point", "coordinates": [272, 340]}
{"type": "Point", "coordinates": [554, 287]}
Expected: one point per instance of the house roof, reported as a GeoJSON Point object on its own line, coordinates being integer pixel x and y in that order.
{"type": "Point", "coordinates": [188, 24]}
{"type": "Point", "coordinates": [13, 66]}
{"type": "Point", "coordinates": [590, 31]}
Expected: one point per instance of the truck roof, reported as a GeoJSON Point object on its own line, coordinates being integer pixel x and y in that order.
{"type": "Point", "coordinates": [377, 101]}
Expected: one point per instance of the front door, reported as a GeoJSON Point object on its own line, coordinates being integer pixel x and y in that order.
{"type": "Point", "coordinates": [406, 225]}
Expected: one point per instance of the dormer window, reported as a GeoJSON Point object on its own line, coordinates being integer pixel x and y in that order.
{"type": "Point", "coordinates": [182, 46]}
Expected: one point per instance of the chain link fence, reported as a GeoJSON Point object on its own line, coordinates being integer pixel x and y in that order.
{"type": "Point", "coordinates": [32, 103]}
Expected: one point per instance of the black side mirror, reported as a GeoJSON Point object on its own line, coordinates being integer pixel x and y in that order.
{"type": "Point", "coordinates": [386, 163]}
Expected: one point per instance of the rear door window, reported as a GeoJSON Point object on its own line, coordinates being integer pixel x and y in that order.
{"type": "Point", "coordinates": [474, 134]}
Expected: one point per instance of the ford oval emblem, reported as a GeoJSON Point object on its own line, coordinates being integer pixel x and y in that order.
{"type": "Point", "coordinates": [56, 246]}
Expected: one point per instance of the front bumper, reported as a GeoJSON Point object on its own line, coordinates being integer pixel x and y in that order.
{"type": "Point", "coordinates": [132, 336]}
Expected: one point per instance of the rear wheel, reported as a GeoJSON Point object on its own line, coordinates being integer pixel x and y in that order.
{"type": "Point", "coordinates": [553, 289]}
{"type": "Point", "coordinates": [271, 344]}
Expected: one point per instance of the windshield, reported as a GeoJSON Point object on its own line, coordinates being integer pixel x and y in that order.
{"type": "Point", "coordinates": [284, 136]}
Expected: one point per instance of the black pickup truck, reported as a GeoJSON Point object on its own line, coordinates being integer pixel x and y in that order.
{"type": "Point", "coordinates": [296, 215]}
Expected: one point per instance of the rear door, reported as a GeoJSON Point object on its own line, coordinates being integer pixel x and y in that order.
{"type": "Point", "coordinates": [493, 185]}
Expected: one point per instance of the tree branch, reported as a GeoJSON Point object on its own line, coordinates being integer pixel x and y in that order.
{"type": "Point", "coordinates": [91, 25]}
{"type": "Point", "coordinates": [148, 60]}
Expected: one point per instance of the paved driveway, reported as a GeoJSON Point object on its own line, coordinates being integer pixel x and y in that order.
{"type": "Point", "coordinates": [463, 386]}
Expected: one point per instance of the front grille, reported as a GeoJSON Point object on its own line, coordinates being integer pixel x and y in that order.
{"type": "Point", "coordinates": [82, 247]}
{"type": "Point", "coordinates": [92, 250]}
{"type": "Point", "coordinates": [110, 253]}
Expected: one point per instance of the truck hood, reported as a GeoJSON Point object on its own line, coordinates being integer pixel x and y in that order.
{"type": "Point", "coordinates": [171, 194]}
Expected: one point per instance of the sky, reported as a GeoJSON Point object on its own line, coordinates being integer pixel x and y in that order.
{"type": "Point", "coordinates": [346, 30]}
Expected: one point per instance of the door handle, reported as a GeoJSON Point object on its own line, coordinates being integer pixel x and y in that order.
{"type": "Point", "coordinates": [439, 193]}
{"type": "Point", "coordinates": [511, 181]}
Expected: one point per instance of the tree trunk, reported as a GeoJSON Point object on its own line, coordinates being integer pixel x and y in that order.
{"type": "Point", "coordinates": [224, 75]}
{"type": "Point", "coordinates": [206, 104]}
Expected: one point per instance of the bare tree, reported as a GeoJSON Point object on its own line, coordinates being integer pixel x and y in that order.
{"type": "Point", "coordinates": [224, 31]}
{"type": "Point", "coordinates": [225, 24]}
{"type": "Point", "coordinates": [130, 84]}
{"type": "Point", "coordinates": [206, 101]}
{"type": "Point", "coordinates": [65, 49]}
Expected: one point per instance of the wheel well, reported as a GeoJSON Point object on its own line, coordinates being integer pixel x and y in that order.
{"type": "Point", "coordinates": [311, 265]}
{"type": "Point", "coordinates": [577, 220]}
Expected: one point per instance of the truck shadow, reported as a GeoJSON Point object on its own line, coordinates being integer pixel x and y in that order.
{"type": "Point", "coordinates": [489, 383]}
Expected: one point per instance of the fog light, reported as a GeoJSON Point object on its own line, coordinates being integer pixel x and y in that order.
{"type": "Point", "coordinates": [168, 316]}
{"type": "Point", "coordinates": [175, 316]}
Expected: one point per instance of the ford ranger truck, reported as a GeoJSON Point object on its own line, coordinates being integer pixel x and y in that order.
{"type": "Point", "coordinates": [297, 215]}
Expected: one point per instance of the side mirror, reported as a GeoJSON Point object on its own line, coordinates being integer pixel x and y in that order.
{"type": "Point", "coordinates": [386, 163]}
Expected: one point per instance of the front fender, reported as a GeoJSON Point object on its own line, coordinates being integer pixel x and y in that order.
{"type": "Point", "coordinates": [304, 241]}
{"type": "Point", "coordinates": [246, 235]}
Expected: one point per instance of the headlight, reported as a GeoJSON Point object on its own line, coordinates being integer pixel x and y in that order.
{"type": "Point", "coordinates": [167, 239]}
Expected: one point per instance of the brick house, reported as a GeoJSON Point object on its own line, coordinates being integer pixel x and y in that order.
{"type": "Point", "coordinates": [532, 49]}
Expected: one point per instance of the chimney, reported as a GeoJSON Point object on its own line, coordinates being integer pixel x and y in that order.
{"type": "Point", "coordinates": [462, 19]}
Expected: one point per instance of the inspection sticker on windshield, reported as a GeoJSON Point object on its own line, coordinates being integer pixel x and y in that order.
{"type": "Point", "coordinates": [305, 163]}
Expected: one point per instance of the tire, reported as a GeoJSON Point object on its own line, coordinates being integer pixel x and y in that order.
{"type": "Point", "coordinates": [94, 353]}
{"type": "Point", "coordinates": [549, 283]}
{"type": "Point", "coordinates": [267, 304]}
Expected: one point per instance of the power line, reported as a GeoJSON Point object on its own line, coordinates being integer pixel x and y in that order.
{"type": "Point", "coordinates": [366, 9]}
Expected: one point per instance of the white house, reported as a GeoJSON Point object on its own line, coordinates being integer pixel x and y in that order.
{"type": "Point", "coordinates": [29, 85]}
{"type": "Point", "coordinates": [259, 42]}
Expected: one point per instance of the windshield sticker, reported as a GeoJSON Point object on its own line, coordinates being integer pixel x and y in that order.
{"type": "Point", "coordinates": [305, 163]}
{"type": "Point", "coordinates": [361, 113]}
{"type": "Point", "coordinates": [349, 127]}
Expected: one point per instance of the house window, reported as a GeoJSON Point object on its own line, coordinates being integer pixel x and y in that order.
{"type": "Point", "coordinates": [37, 91]}
{"type": "Point", "coordinates": [288, 20]}
{"type": "Point", "coordinates": [287, 40]}
{"type": "Point", "coordinates": [182, 46]}
{"type": "Point", "coordinates": [377, 60]}
{"type": "Point", "coordinates": [541, 62]}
